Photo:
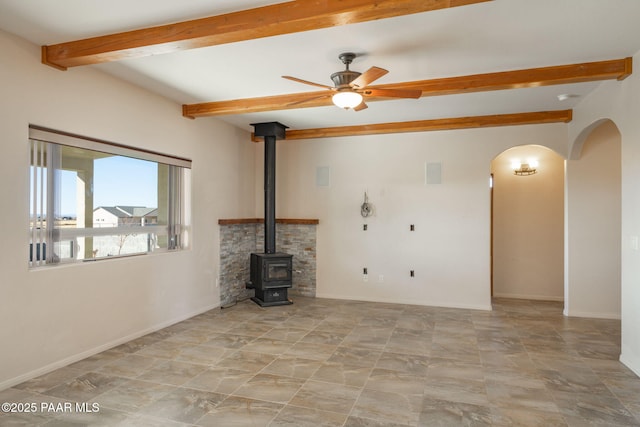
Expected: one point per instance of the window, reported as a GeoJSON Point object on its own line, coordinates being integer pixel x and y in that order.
{"type": "Point", "coordinates": [93, 200]}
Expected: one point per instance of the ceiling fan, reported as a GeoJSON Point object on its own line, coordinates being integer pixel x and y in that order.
{"type": "Point", "coordinates": [350, 87]}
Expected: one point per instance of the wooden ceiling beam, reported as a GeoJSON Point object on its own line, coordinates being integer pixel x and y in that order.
{"type": "Point", "coordinates": [540, 117]}
{"type": "Point", "coordinates": [273, 20]}
{"type": "Point", "coordinates": [563, 74]}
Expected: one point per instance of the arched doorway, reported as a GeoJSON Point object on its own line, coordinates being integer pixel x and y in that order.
{"type": "Point", "coordinates": [593, 223]}
{"type": "Point", "coordinates": [528, 225]}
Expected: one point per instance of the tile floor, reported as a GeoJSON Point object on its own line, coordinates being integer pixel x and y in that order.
{"type": "Point", "coordinates": [326, 362]}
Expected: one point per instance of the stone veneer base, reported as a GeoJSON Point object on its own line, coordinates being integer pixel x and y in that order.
{"type": "Point", "coordinates": [240, 237]}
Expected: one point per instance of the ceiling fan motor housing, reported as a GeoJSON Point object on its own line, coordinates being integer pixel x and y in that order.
{"type": "Point", "coordinates": [342, 79]}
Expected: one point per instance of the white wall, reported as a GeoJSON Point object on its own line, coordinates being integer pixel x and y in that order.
{"type": "Point", "coordinates": [528, 226]}
{"type": "Point", "coordinates": [449, 250]}
{"type": "Point", "coordinates": [594, 226]}
{"type": "Point", "coordinates": [54, 316]}
{"type": "Point", "coordinates": [620, 101]}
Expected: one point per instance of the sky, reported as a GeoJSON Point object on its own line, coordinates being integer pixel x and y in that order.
{"type": "Point", "coordinates": [118, 180]}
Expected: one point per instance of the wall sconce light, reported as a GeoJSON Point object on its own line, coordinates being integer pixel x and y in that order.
{"type": "Point", "coordinates": [524, 169]}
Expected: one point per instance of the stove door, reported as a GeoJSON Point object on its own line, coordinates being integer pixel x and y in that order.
{"type": "Point", "coordinates": [278, 271]}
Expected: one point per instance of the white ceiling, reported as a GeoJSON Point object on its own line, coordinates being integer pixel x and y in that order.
{"type": "Point", "coordinates": [500, 35]}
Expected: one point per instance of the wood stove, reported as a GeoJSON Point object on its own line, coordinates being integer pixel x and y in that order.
{"type": "Point", "coordinates": [270, 276]}
{"type": "Point", "coordinates": [270, 272]}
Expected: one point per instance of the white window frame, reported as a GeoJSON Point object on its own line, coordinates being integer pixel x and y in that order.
{"type": "Point", "coordinates": [44, 235]}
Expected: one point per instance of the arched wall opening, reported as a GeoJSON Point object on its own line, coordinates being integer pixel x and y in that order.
{"type": "Point", "coordinates": [575, 151]}
{"type": "Point", "coordinates": [594, 223]}
{"type": "Point", "coordinates": [528, 225]}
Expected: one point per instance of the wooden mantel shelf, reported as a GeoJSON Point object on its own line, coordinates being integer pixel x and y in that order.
{"type": "Point", "coordinates": [234, 221]}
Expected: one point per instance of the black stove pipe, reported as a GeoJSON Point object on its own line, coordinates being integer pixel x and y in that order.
{"type": "Point", "coordinates": [269, 194]}
{"type": "Point", "coordinates": [271, 131]}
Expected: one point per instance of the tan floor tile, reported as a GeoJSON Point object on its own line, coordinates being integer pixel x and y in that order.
{"type": "Point", "coordinates": [133, 395]}
{"type": "Point", "coordinates": [272, 388]}
{"type": "Point", "coordinates": [295, 416]}
{"type": "Point", "coordinates": [335, 398]}
{"type": "Point", "coordinates": [340, 373]}
{"type": "Point", "coordinates": [391, 407]}
{"type": "Point", "coordinates": [246, 361]}
{"type": "Point", "coordinates": [351, 363]}
{"type": "Point", "coordinates": [172, 372]}
{"type": "Point", "coordinates": [241, 412]}
{"type": "Point", "coordinates": [130, 366]}
{"type": "Point", "coordinates": [439, 413]}
{"type": "Point", "coordinates": [184, 405]}
{"type": "Point", "coordinates": [220, 380]}
{"type": "Point", "coordinates": [291, 366]}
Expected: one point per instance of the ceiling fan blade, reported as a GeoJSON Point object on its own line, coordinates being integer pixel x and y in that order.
{"type": "Point", "coordinates": [360, 106]}
{"type": "Point", "coordinates": [295, 79]}
{"type": "Point", "coordinates": [364, 79]}
{"type": "Point", "coordinates": [393, 93]}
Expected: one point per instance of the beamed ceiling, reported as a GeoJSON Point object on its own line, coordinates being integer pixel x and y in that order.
{"type": "Point", "coordinates": [477, 63]}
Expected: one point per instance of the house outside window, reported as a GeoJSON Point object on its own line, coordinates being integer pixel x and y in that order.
{"type": "Point", "coordinates": [93, 200]}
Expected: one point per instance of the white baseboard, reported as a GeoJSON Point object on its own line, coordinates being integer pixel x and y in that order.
{"type": "Point", "coordinates": [404, 301]}
{"type": "Point", "coordinates": [610, 316]}
{"type": "Point", "coordinates": [80, 356]}
{"type": "Point", "coordinates": [531, 297]}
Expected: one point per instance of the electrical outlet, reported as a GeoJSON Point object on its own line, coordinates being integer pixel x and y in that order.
{"type": "Point", "coordinates": [412, 273]}
{"type": "Point", "coordinates": [365, 277]}
{"type": "Point", "coordinates": [380, 278]}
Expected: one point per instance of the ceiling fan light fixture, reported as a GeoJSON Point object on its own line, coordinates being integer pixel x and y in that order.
{"type": "Point", "coordinates": [347, 99]}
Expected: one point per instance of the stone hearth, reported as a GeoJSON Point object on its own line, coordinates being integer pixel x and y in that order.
{"type": "Point", "coordinates": [240, 237]}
